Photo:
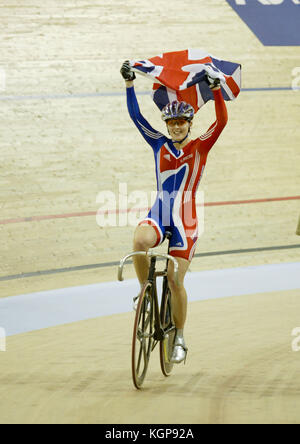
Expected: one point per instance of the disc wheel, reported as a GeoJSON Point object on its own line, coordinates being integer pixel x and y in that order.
{"type": "Point", "coordinates": [142, 335]}
{"type": "Point", "coordinates": [166, 345]}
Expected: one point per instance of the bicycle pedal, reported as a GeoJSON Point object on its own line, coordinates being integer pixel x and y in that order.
{"type": "Point", "coordinates": [159, 334]}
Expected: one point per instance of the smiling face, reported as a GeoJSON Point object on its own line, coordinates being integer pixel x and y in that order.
{"type": "Point", "coordinates": [178, 128]}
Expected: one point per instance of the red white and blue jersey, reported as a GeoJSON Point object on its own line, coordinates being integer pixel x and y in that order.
{"type": "Point", "coordinates": [178, 175]}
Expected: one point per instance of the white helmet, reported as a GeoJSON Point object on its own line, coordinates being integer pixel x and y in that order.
{"type": "Point", "coordinates": [177, 110]}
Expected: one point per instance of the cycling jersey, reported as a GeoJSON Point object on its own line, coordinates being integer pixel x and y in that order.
{"type": "Point", "coordinates": [178, 174]}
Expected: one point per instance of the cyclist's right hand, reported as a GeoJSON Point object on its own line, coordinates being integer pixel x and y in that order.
{"type": "Point", "coordinates": [213, 83]}
{"type": "Point", "coordinates": [126, 71]}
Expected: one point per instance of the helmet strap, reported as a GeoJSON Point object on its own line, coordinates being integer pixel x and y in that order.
{"type": "Point", "coordinates": [180, 141]}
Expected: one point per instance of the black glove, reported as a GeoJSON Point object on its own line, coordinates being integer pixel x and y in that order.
{"type": "Point", "coordinates": [213, 83]}
{"type": "Point", "coordinates": [127, 72]}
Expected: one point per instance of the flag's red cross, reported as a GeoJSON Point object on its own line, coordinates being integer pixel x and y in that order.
{"type": "Point", "coordinates": [172, 63]}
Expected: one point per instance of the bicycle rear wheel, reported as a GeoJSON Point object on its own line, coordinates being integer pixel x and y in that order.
{"type": "Point", "coordinates": [166, 345]}
{"type": "Point", "coordinates": [142, 335]}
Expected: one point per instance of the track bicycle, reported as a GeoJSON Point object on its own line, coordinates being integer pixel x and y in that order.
{"type": "Point", "coordinates": [153, 323]}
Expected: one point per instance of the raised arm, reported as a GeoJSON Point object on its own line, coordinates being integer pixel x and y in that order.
{"type": "Point", "coordinates": [214, 131]}
{"type": "Point", "coordinates": [153, 137]}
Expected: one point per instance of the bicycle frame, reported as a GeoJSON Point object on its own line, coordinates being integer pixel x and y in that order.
{"type": "Point", "coordinates": [155, 328]}
{"type": "Point", "coordinates": [159, 333]}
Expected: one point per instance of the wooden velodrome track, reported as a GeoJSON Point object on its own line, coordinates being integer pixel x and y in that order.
{"type": "Point", "coordinates": [58, 153]}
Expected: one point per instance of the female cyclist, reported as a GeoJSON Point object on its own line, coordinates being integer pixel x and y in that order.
{"type": "Point", "coordinates": [180, 163]}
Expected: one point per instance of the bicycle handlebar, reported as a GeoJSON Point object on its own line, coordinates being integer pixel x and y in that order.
{"type": "Point", "coordinates": [149, 254]}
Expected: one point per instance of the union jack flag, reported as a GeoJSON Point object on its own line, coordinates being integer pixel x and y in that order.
{"type": "Point", "coordinates": [181, 75]}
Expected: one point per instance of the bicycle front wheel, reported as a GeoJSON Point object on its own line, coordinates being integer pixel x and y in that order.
{"type": "Point", "coordinates": [142, 335]}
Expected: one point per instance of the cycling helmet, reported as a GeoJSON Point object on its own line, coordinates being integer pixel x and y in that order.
{"type": "Point", "coordinates": [177, 110]}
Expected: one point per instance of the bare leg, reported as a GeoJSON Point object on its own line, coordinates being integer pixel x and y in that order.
{"type": "Point", "coordinates": [144, 238]}
{"type": "Point", "coordinates": [179, 304]}
{"type": "Point", "coordinates": [179, 295]}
